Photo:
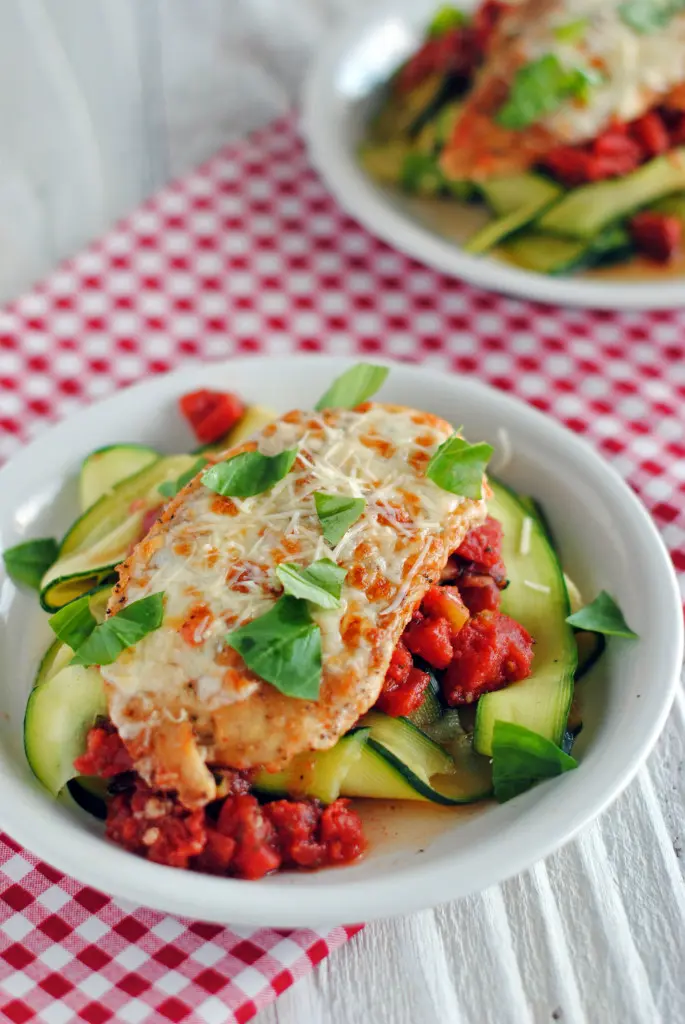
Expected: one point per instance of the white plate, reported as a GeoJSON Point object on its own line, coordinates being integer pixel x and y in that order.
{"type": "Point", "coordinates": [607, 541]}
{"type": "Point", "coordinates": [338, 96]}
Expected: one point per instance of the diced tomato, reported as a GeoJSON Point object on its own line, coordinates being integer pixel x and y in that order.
{"type": "Point", "coordinates": [614, 144]}
{"type": "Point", "coordinates": [241, 818]}
{"type": "Point", "coordinates": [211, 414]}
{"type": "Point", "coordinates": [406, 697]}
{"type": "Point", "coordinates": [570, 166]}
{"type": "Point", "coordinates": [489, 652]}
{"type": "Point", "coordinates": [479, 593]}
{"type": "Point", "coordinates": [482, 546]}
{"type": "Point", "coordinates": [155, 826]}
{"type": "Point", "coordinates": [149, 520]}
{"type": "Point", "coordinates": [296, 823]}
{"type": "Point", "coordinates": [400, 666]}
{"type": "Point", "coordinates": [105, 754]}
{"type": "Point", "coordinates": [446, 603]}
{"type": "Point", "coordinates": [651, 134]}
{"type": "Point", "coordinates": [657, 235]}
{"type": "Point", "coordinates": [217, 855]}
{"type": "Point", "coordinates": [455, 52]}
{"type": "Point", "coordinates": [342, 833]}
{"type": "Point", "coordinates": [430, 640]}
{"type": "Point", "coordinates": [196, 624]}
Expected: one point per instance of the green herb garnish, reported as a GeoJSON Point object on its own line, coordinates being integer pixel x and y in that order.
{"type": "Point", "coordinates": [283, 646]}
{"type": "Point", "coordinates": [336, 514]}
{"type": "Point", "coordinates": [572, 31]}
{"type": "Point", "coordinates": [108, 639]}
{"type": "Point", "coordinates": [458, 466]}
{"type": "Point", "coordinates": [444, 20]}
{"type": "Point", "coordinates": [320, 583]}
{"type": "Point", "coordinates": [73, 623]}
{"type": "Point", "coordinates": [248, 473]}
{"type": "Point", "coordinates": [521, 758]}
{"type": "Point", "coordinates": [170, 488]}
{"type": "Point", "coordinates": [647, 16]}
{"type": "Point", "coordinates": [602, 616]}
{"type": "Point", "coordinates": [540, 88]}
{"type": "Point", "coordinates": [28, 562]}
{"type": "Point", "coordinates": [353, 387]}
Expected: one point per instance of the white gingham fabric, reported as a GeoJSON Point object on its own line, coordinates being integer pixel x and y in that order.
{"type": "Point", "coordinates": [251, 255]}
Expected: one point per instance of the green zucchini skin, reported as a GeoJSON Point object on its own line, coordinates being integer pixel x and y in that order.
{"type": "Point", "coordinates": [100, 538]}
{"type": "Point", "coordinates": [106, 467]}
{"type": "Point", "coordinates": [515, 201]}
{"type": "Point", "coordinates": [59, 714]}
{"type": "Point", "coordinates": [541, 702]}
{"type": "Point", "coordinates": [319, 775]}
{"type": "Point", "coordinates": [550, 254]}
{"type": "Point", "coordinates": [585, 211]}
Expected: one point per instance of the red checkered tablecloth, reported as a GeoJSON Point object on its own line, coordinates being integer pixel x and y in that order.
{"type": "Point", "coordinates": [251, 255]}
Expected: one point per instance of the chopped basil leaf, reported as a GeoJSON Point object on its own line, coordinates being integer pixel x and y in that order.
{"type": "Point", "coordinates": [458, 466]}
{"type": "Point", "coordinates": [602, 616]}
{"type": "Point", "coordinates": [572, 31]}
{"type": "Point", "coordinates": [336, 514]}
{"type": "Point", "coordinates": [521, 758]}
{"type": "Point", "coordinates": [353, 387]}
{"type": "Point", "coordinates": [283, 646]}
{"type": "Point", "coordinates": [28, 562]}
{"type": "Point", "coordinates": [646, 16]}
{"type": "Point", "coordinates": [170, 488]}
{"type": "Point", "coordinates": [248, 473]}
{"type": "Point", "coordinates": [74, 623]}
{"type": "Point", "coordinates": [444, 20]}
{"type": "Point", "coordinates": [126, 628]}
{"type": "Point", "coordinates": [540, 88]}
{"type": "Point", "coordinates": [320, 582]}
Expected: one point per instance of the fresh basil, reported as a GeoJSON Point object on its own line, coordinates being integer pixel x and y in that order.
{"type": "Point", "coordinates": [521, 758]}
{"type": "Point", "coordinates": [647, 16]}
{"type": "Point", "coordinates": [458, 466]}
{"type": "Point", "coordinates": [283, 646]}
{"type": "Point", "coordinates": [353, 387]}
{"type": "Point", "coordinates": [602, 616]}
{"type": "Point", "coordinates": [319, 583]}
{"type": "Point", "coordinates": [444, 20]}
{"type": "Point", "coordinates": [108, 639]}
{"type": "Point", "coordinates": [170, 488]}
{"type": "Point", "coordinates": [28, 562]}
{"type": "Point", "coordinates": [572, 31]}
{"type": "Point", "coordinates": [248, 473]}
{"type": "Point", "coordinates": [336, 514]}
{"type": "Point", "coordinates": [540, 88]}
{"type": "Point", "coordinates": [73, 623]}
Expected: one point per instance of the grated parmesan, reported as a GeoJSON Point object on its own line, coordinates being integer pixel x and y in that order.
{"type": "Point", "coordinates": [540, 587]}
{"type": "Point", "coordinates": [526, 527]}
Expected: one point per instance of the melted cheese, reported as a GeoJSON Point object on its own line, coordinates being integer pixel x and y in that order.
{"type": "Point", "coordinates": [214, 558]}
{"type": "Point", "coordinates": [636, 68]}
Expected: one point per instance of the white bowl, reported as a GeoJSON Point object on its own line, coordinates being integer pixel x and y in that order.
{"type": "Point", "coordinates": [607, 541]}
{"type": "Point", "coordinates": [340, 93]}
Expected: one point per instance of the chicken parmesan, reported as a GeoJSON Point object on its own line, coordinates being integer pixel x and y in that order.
{"type": "Point", "coordinates": [563, 121]}
{"type": "Point", "coordinates": [181, 697]}
{"type": "Point", "coordinates": [313, 611]}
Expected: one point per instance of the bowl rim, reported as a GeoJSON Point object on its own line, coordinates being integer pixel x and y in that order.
{"type": "Point", "coordinates": [322, 117]}
{"type": "Point", "coordinates": [80, 853]}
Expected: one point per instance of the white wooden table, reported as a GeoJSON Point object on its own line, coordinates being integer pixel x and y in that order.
{"type": "Point", "coordinates": [101, 101]}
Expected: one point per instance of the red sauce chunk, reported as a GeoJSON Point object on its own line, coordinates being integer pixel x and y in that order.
{"type": "Point", "coordinates": [430, 639]}
{"type": "Point", "coordinates": [405, 697]}
{"type": "Point", "coordinates": [482, 548]}
{"type": "Point", "coordinates": [479, 593]}
{"type": "Point", "coordinates": [211, 414]}
{"type": "Point", "coordinates": [491, 651]}
{"type": "Point", "coordinates": [105, 754]}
